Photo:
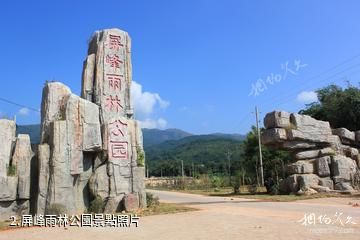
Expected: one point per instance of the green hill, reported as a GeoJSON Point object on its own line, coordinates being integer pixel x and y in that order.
{"type": "Point", "coordinates": [157, 136]}
{"type": "Point", "coordinates": [201, 153]}
{"type": "Point", "coordinates": [33, 130]}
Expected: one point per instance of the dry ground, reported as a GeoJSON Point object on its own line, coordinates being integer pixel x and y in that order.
{"type": "Point", "coordinates": [222, 218]}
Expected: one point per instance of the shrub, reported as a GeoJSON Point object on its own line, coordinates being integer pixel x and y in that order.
{"type": "Point", "coordinates": [235, 182]}
{"type": "Point", "coordinates": [252, 189]}
{"type": "Point", "coordinates": [97, 205]}
{"type": "Point", "coordinates": [140, 157]}
{"type": "Point", "coordinates": [11, 170]}
{"type": "Point", "coordinates": [217, 182]}
{"type": "Point", "coordinates": [274, 190]}
{"type": "Point", "coordinates": [151, 200]}
{"type": "Point", "coordinates": [56, 209]}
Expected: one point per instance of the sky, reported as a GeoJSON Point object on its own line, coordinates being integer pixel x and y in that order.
{"type": "Point", "coordinates": [200, 66]}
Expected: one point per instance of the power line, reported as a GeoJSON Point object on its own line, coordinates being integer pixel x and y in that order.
{"type": "Point", "coordinates": [18, 104]}
{"type": "Point", "coordinates": [295, 92]}
{"type": "Point", "coordinates": [281, 100]}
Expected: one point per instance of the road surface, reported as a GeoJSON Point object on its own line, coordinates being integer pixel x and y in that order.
{"type": "Point", "coordinates": [224, 218]}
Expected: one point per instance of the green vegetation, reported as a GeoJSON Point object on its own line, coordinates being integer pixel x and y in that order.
{"type": "Point", "coordinates": [56, 209]}
{"type": "Point", "coordinates": [165, 208]}
{"type": "Point", "coordinates": [273, 160]}
{"type": "Point", "coordinates": [140, 157]}
{"type": "Point", "coordinates": [154, 207]}
{"type": "Point", "coordinates": [11, 170]}
{"type": "Point", "coordinates": [97, 205]}
{"type": "Point", "coordinates": [201, 155]}
{"type": "Point", "coordinates": [151, 200]}
{"type": "Point", "coordinates": [216, 162]}
{"type": "Point", "coordinates": [341, 107]}
{"type": "Point", "coordinates": [4, 225]}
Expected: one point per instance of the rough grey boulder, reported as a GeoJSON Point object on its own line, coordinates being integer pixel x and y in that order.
{"type": "Point", "coordinates": [343, 168]}
{"type": "Point", "coordinates": [60, 189]}
{"type": "Point", "coordinates": [325, 158]}
{"type": "Point", "coordinates": [277, 119]}
{"type": "Point", "coordinates": [344, 186]}
{"type": "Point", "coordinates": [87, 88]}
{"type": "Point", "coordinates": [52, 101]}
{"type": "Point", "coordinates": [43, 166]}
{"type": "Point", "coordinates": [7, 134]}
{"type": "Point", "coordinates": [8, 187]}
{"type": "Point", "coordinates": [289, 184]}
{"type": "Point", "coordinates": [307, 154]}
{"type": "Point", "coordinates": [350, 152]}
{"type": "Point", "coordinates": [323, 166]}
{"type": "Point", "coordinates": [274, 135]}
{"type": "Point", "coordinates": [131, 202]}
{"type": "Point", "coordinates": [326, 182]}
{"type": "Point", "coordinates": [139, 185]}
{"type": "Point", "coordinates": [21, 161]}
{"type": "Point", "coordinates": [13, 208]}
{"type": "Point", "coordinates": [297, 145]}
{"type": "Point", "coordinates": [81, 186]}
{"type": "Point", "coordinates": [308, 180]}
{"type": "Point", "coordinates": [99, 183]}
{"type": "Point", "coordinates": [309, 129]}
{"type": "Point", "coordinates": [346, 136]}
{"type": "Point", "coordinates": [83, 130]}
{"type": "Point", "coordinates": [300, 167]}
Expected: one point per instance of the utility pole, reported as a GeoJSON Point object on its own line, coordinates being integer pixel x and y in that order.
{"type": "Point", "coordinates": [182, 169]}
{"type": "Point", "coordinates": [193, 170]}
{"type": "Point", "coordinates": [182, 173]}
{"type": "Point", "coordinates": [228, 156]}
{"type": "Point", "coordinates": [260, 152]}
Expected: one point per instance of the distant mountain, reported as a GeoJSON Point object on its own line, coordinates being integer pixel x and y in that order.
{"type": "Point", "coordinates": [157, 136]}
{"type": "Point", "coordinates": [33, 130]}
{"type": "Point", "coordinates": [171, 144]}
{"type": "Point", "coordinates": [168, 138]}
{"type": "Point", "coordinates": [238, 137]}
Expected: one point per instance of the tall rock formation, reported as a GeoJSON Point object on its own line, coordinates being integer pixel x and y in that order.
{"type": "Point", "coordinates": [15, 160]}
{"type": "Point", "coordinates": [90, 145]}
{"type": "Point", "coordinates": [324, 159]}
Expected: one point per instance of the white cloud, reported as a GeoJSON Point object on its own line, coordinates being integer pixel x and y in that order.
{"type": "Point", "coordinates": [145, 102]}
{"type": "Point", "coordinates": [24, 111]}
{"type": "Point", "coordinates": [152, 123]}
{"type": "Point", "coordinates": [307, 97]}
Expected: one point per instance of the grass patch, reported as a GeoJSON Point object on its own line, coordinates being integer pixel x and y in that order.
{"type": "Point", "coordinates": [164, 208]}
{"type": "Point", "coordinates": [11, 170]}
{"type": "Point", "coordinates": [5, 225]}
{"type": "Point", "coordinates": [277, 198]}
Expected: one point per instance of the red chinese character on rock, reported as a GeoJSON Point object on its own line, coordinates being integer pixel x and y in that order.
{"type": "Point", "coordinates": [119, 149]}
{"type": "Point", "coordinates": [119, 128]}
{"type": "Point", "coordinates": [114, 81]}
{"type": "Point", "coordinates": [115, 42]}
{"type": "Point", "coordinates": [114, 60]}
{"type": "Point", "coordinates": [113, 103]}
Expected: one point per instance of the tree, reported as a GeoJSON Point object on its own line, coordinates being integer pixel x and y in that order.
{"type": "Point", "coordinates": [340, 107]}
{"type": "Point", "coordinates": [273, 160]}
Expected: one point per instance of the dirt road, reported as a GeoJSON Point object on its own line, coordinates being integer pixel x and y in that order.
{"type": "Point", "coordinates": [225, 218]}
